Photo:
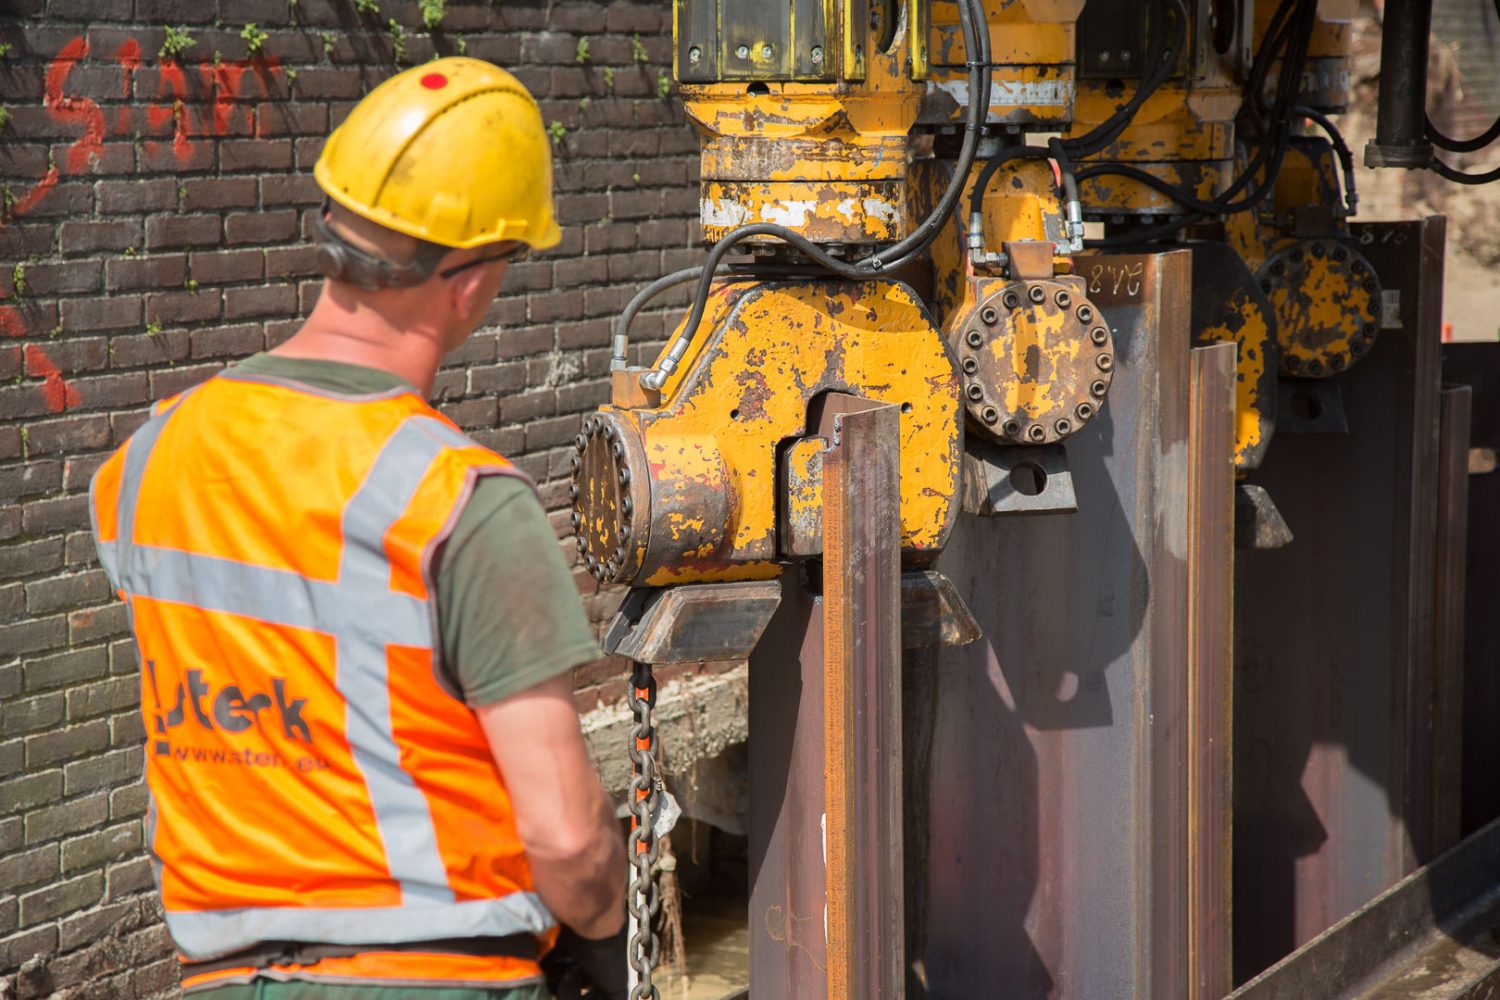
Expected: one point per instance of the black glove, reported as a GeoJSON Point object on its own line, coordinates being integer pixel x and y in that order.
{"type": "Point", "coordinates": [596, 965]}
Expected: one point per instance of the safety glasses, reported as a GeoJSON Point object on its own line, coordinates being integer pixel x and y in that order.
{"type": "Point", "coordinates": [515, 252]}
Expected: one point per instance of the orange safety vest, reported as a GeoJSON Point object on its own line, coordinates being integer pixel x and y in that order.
{"type": "Point", "coordinates": [312, 775]}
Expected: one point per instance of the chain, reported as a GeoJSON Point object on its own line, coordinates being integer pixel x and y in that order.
{"type": "Point", "coordinates": [644, 901]}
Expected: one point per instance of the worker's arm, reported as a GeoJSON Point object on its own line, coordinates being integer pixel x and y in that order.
{"type": "Point", "coordinates": [572, 840]}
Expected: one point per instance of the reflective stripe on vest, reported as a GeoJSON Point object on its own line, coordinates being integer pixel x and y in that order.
{"type": "Point", "coordinates": [363, 615]}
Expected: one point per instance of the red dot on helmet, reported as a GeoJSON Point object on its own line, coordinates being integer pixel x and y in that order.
{"type": "Point", "coordinates": [434, 81]}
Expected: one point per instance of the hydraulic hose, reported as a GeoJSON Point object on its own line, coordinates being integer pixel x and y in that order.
{"type": "Point", "coordinates": [977, 40]}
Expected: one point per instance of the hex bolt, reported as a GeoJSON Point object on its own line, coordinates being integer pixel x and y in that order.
{"type": "Point", "coordinates": [975, 338]}
{"type": "Point", "coordinates": [627, 506]}
{"type": "Point", "coordinates": [1011, 428]}
{"type": "Point", "coordinates": [1036, 293]}
{"type": "Point", "coordinates": [1296, 256]}
{"type": "Point", "coordinates": [976, 391]}
{"type": "Point", "coordinates": [1340, 254]}
{"type": "Point", "coordinates": [1063, 300]}
{"type": "Point", "coordinates": [1317, 250]}
{"type": "Point", "coordinates": [1265, 286]}
{"type": "Point", "coordinates": [580, 442]}
{"type": "Point", "coordinates": [1099, 336]}
{"type": "Point", "coordinates": [1010, 300]}
{"type": "Point", "coordinates": [817, 53]}
{"type": "Point", "coordinates": [573, 491]}
{"type": "Point", "coordinates": [618, 449]}
{"type": "Point", "coordinates": [1062, 426]}
{"type": "Point", "coordinates": [624, 476]}
{"type": "Point", "coordinates": [1084, 410]}
{"type": "Point", "coordinates": [1336, 364]}
{"type": "Point", "coordinates": [694, 55]}
{"type": "Point", "coordinates": [575, 461]}
{"type": "Point", "coordinates": [1315, 366]}
{"type": "Point", "coordinates": [1036, 432]}
{"type": "Point", "coordinates": [613, 433]}
{"type": "Point", "coordinates": [1278, 269]}
{"type": "Point", "coordinates": [1369, 330]}
{"type": "Point", "coordinates": [742, 52]}
{"type": "Point", "coordinates": [766, 51]}
{"type": "Point", "coordinates": [576, 519]}
{"type": "Point", "coordinates": [990, 414]}
{"type": "Point", "coordinates": [989, 316]}
{"type": "Point", "coordinates": [1372, 288]}
{"type": "Point", "coordinates": [1098, 388]}
{"type": "Point", "coordinates": [971, 365]}
{"type": "Point", "coordinates": [1105, 362]}
{"type": "Point", "coordinates": [581, 541]}
{"type": "Point", "coordinates": [1085, 314]}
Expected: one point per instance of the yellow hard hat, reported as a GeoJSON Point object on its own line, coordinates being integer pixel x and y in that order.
{"type": "Point", "coordinates": [452, 152]}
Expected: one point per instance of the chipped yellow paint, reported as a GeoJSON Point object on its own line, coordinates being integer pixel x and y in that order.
{"type": "Point", "coordinates": [1250, 332]}
{"type": "Point", "coordinates": [827, 160]}
{"type": "Point", "coordinates": [1320, 316]}
{"type": "Point", "coordinates": [1037, 351]}
{"type": "Point", "coordinates": [761, 354]}
{"type": "Point", "coordinates": [1109, 193]}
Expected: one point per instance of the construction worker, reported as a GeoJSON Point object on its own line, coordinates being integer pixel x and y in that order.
{"type": "Point", "coordinates": [355, 627]}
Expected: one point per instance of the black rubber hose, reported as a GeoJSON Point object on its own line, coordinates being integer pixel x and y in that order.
{"type": "Point", "coordinates": [994, 163]}
{"type": "Point", "coordinates": [1452, 145]}
{"type": "Point", "coordinates": [1108, 130]}
{"type": "Point", "coordinates": [1341, 150]}
{"type": "Point", "coordinates": [1459, 177]}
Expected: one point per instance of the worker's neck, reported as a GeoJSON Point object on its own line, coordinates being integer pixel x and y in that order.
{"type": "Point", "coordinates": [347, 327]}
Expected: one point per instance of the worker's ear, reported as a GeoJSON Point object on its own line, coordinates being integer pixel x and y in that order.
{"type": "Point", "coordinates": [471, 291]}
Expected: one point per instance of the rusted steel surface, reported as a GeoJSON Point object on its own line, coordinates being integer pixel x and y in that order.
{"type": "Point", "coordinates": [704, 621]}
{"type": "Point", "coordinates": [1430, 936]}
{"type": "Point", "coordinates": [1478, 366]}
{"type": "Point", "coordinates": [1054, 792]}
{"type": "Point", "coordinates": [1334, 635]}
{"type": "Point", "coordinates": [1447, 718]}
{"type": "Point", "coordinates": [1210, 663]}
{"type": "Point", "coordinates": [788, 946]}
{"type": "Point", "coordinates": [862, 699]}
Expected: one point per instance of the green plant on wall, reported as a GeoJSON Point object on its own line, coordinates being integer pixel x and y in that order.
{"type": "Point", "coordinates": [175, 41]}
{"type": "Point", "coordinates": [18, 279]}
{"type": "Point", "coordinates": [663, 85]}
{"type": "Point", "coordinates": [5, 48]}
{"type": "Point", "coordinates": [637, 49]}
{"type": "Point", "coordinates": [4, 117]}
{"type": "Point", "coordinates": [556, 130]}
{"type": "Point", "coordinates": [433, 12]}
{"type": "Point", "coordinates": [609, 79]}
{"type": "Point", "coordinates": [329, 40]}
{"type": "Point", "coordinates": [398, 39]}
{"type": "Point", "coordinates": [581, 53]}
{"type": "Point", "coordinates": [367, 7]}
{"type": "Point", "coordinates": [254, 38]}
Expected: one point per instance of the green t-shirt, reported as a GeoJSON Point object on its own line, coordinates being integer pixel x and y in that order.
{"type": "Point", "coordinates": [508, 612]}
{"type": "Point", "coordinates": [507, 608]}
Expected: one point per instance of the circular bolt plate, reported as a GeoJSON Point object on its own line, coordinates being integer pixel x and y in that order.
{"type": "Point", "coordinates": [1034, 378]}
{"type": "Point", "coordinates": [1327, 304]}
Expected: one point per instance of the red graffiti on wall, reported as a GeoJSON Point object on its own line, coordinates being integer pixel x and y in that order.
{"type": "Point", "coordinates": [57, 392]}
{"type": "Point", "coordinates": [207, 111]}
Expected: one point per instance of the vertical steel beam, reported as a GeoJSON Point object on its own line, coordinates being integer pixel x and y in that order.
{"type": "Point", "coordinates": [1210, 663]}
{"type": "Point", "coordinates": [862, 699]}
{"type": "Point", "coordinates": [1334, 635]}
{"type": "Point", "coordinates": [1057, 789]}
{"type": "Point", "coordinates": [1447, 719]}
{"type": "Point", "coordinates": [826, 913]}
{"type": "Point", "coordinates": [1478, 366]}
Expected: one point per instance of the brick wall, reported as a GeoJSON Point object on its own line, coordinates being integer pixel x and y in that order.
{"type": "Point", "coordinates": [152, 207]}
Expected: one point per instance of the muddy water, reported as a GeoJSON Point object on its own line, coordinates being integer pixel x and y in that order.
{"type": "Point", "coordinates": [718, 952]}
